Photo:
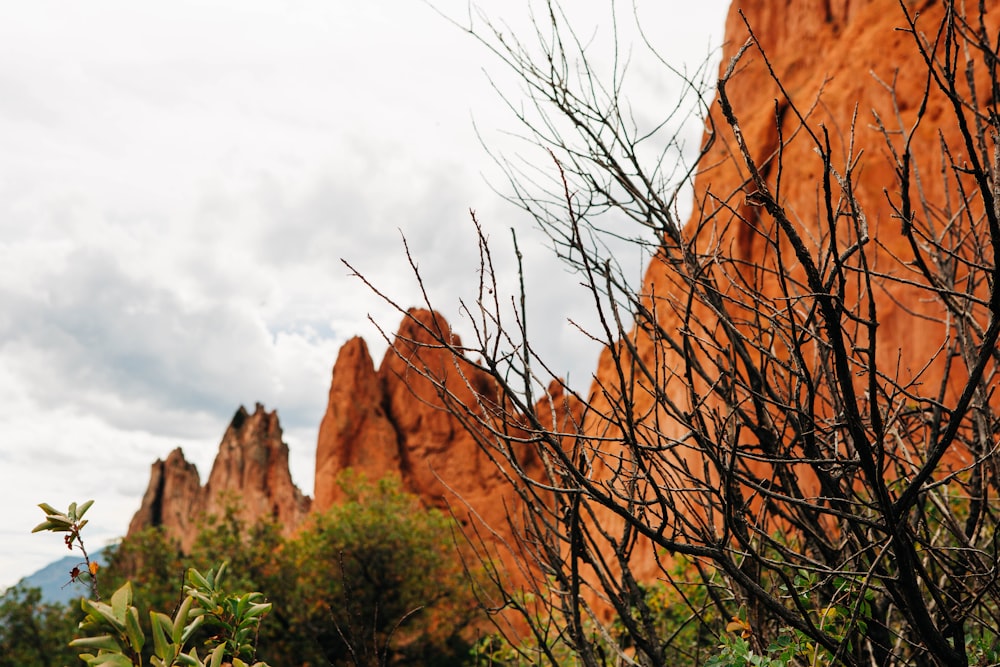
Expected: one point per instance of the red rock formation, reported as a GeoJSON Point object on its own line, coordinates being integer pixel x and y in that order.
{"type": "Point", "coordinates": [250, 471]}
{"type": "Point", "coordinates": [173, 500]}
{"type": "Point", "coordinates": [252, 468]}
{"type": "Point", "coordinates": [389, 421]}
{"type": "Point", "coordinates": [833, 59]}
{"type": "Point", "coordinates": [355, 431]}
{"type": "Point", "coordinates": [395, 421]}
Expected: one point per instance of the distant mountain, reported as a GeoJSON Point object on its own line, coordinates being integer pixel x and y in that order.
{"type": "Point", "coordinates": [54, 579]}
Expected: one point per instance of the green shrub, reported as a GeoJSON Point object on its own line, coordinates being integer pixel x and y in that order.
{"type": "Point", "coordinates": [222, 625]}
{"type": "Point", "coordinates": [33, 633]}
{"type": "Point", "coordinates": [376, 580]}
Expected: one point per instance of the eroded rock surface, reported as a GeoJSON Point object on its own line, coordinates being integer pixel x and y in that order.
{"type": "Point", "coordinates": [250, 474]}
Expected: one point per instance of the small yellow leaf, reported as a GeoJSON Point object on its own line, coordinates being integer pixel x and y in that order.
{"type": "Point", "coordinates": [93, 568]}
{"type": "Point", "coordinates": [740, 626]}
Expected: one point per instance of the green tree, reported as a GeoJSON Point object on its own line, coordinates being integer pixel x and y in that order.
{"type": "Point", "coordinates": [380, 582]}
{"type": "Point", "coordinates": [258, 556]}
{"type": "Point", "coordinates": [153, 562]}
{"type": "Point", "coordinates": [376, 580]}
{"type": "Point", "coordinates": [34, 633]}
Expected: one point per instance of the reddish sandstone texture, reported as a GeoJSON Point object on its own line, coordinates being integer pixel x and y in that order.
{"type": "Point", "coordinates": [843, 64]}
{"type": "Point", "coordinates": [395, 421]}
{"type": "Point", "coordinates": [250, 473]}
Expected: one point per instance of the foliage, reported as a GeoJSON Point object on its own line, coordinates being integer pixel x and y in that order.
{"type": "Point", "coordinates": [232, 621]}
{"type": "Point", "coordinates": [250, 550]}
{"type": "Point", "coordinates": [224, 626]}
{"type": "Point", "coordinates": [680, 610]}
{"type": "Point", "coordinates": [379, 581]}
{"type": "Point", "coordinates": [72, 522]}
{"type": "Point", "coordinates": [155, 567]}
{"type": "Point", "coordinates": [376, 580]}
{"type": "Point", "coordinates": [32, 633]}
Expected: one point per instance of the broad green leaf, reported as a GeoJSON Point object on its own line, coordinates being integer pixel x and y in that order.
{"type": "Point", "coordinates": [162, 626]}
{"type": "Point", "coordinates": [197, 579]}
{"type": "Point", "coordinates": [120, 601]}
{"type": "Point", "coordinates": [191, 628]}
{"type": "Point", "coordinates": [241, 605]}
{"type": "Point", "coordinates": [48, 509]}
{"type": "Point", "coordinates": [217, 655]}
{"type": "Point", "coordinates": [136, 637]}
{"type": "Point", "coordinates": [100, 642]}
{"type": "Point", "coordinates": [83, 509]}
{"type": "Point", "coordinates": [111, 660]}
{"type": "Point", "coordinates": [181, 620]}
{"type": "Point", "coordinates": [102, 614]}
{"type": "Point", "coordinates": [258, 610]}
{"type": "Point", "coordinates": [45, 525]}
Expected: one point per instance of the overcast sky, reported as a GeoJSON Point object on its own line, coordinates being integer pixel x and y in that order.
{"type": "Point", "coordinates": [178, 183]}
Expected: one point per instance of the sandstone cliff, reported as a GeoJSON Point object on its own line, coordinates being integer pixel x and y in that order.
{"type": "Point", "coordinates": [395, 420]}
{"type": "Point", "coordinates": [392, 420]}
{"type": "Point", "coordinates": [173, 500]}
{"type": "Point", "coordinates": [844, 65]}
{"type": "Point", "coordinates": [250, 472]}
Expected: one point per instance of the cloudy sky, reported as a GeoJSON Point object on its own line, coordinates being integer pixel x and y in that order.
{"type": "Point", "coordinates": [178, 183]}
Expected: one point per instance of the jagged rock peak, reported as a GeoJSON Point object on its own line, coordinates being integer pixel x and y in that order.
{"type": "Point", "coordinates": [355, 431]}
{"type": "Point", "coordinates": [395, 421]}
{"type": "Point", "coordinates": [173, 499]}
{"type": "Point", "coordinates": [252, 469]}
{"type": "Point", "coordinates": [250, 473]}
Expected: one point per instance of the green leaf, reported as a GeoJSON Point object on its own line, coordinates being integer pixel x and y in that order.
{"type": "Point", "coordinates": [111, 660]}
{"type": "Point", "coordinates": [100, 642]}
{"type": "Point", "coordinates": [101, 615]}
{"type": "Point", "coordinates": [217, 655]}
{"type": "Point", "coordinates": [258, 610]}
{"type": "Point", "coordinates": [162, 626]}
{"type": "Point", "coordinates": [121, 600]}
{"type": "Point", "coordinates": [220, 575]}
{"type": "Point", "coordinates": [48, 509]}
{"type": "Point", "coordinates": [135, 635]}
{"type": "Point", "coordinates": [191, 628]}
{"type": "Point", "coordinates": [241, 605]}
{"type": "Point", "coordinates": [181, 620]}
{"type": "Point", "coordinates": [83, 509]}
{"type": "Point", "coordinates": [54, 522]}
{"type": "Point", "coordinates": [45, 525]}
{"type": "Point", "coordinates": [196, 579]}
{"type": "Point", "coordinates": [190, 660]}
